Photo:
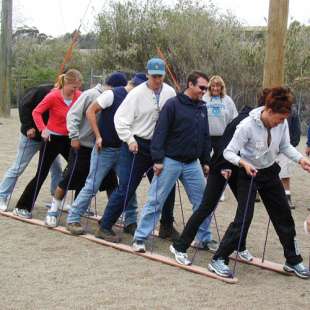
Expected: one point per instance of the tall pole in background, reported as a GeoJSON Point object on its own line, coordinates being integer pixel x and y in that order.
{"type": "Point", "coordinates": [275, 48]}
{"type": "Point", "coordinates": [5, 57]}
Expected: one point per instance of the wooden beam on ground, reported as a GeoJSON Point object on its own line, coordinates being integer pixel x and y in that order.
{"type": "Point", "coordinates": [126, 248]}
{"type": "Point", "coordinates": [257, 261]}
{"type": "Point", "coordinates": [276, 39]}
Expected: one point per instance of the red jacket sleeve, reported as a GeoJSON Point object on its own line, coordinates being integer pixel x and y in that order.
{"type": "Point", "coordinates": [43, 106]}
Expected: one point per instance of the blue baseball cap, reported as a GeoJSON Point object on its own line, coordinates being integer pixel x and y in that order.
{"type": "Point", "coordinates": [138, 78]}
{"type": "Point", "coordinates": [156, 66]}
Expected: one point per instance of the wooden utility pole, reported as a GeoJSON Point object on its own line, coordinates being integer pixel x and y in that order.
{"type": "Point", "coordinates": [5, 58]}
{"type": "Point", "coordinates": [275, 48]}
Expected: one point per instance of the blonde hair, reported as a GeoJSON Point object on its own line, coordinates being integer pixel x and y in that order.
{"type": "Point", "coordinates": [216, 79]}
{"type": "Point", "coordinates": [71, 76]}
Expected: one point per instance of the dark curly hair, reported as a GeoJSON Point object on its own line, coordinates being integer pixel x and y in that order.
{"type": "Point", "coordinates": [278, 99]}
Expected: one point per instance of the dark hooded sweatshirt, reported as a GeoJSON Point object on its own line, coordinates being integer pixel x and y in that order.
{"type": "Point", "coordinates": [182, 131]}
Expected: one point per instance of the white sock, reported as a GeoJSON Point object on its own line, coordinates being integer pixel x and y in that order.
{"type": "Point", "coordinates": [55, 205]}
{"type": "Point", "coordinates": [287, 192]}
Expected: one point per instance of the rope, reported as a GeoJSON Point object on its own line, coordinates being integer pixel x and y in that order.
{"type": "Point", "coordinates": [21, 159]}
{"type": "Point", "coordinates": [264, 251]}
{"type": "Point", "coordinates": [181, 204]}
{"type": "Point", "coordinates": [39, 174]}
{"type": "Point", "coordinates": [243, 224]}
{"type": "Point", "coordinates": [67, 187]}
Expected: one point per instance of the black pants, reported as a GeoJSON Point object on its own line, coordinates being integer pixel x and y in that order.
{"type": "Point", "coordinates": [215, 140]}
{"type": "Point", "coordinates": [57, 145]}
{"type": "Point", "coordinates": [271, 190]}
{"type": "Point", "coordinates": [77, 170]}
{"type": "Point", "coordinates": [211, 197]}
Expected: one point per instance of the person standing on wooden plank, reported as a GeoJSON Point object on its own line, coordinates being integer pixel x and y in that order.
{"type": "Point", "coordinates": [254, 148]}
{"type": "Point", "coordinates": [55, 134]}
{"type": "Point", "coordinates": [29, 144]}
{"type": "Point", "coordinates": [180, 149]}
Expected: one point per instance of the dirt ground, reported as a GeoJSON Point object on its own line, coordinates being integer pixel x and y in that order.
{"type": "Point", "coordinates": [42, 269]}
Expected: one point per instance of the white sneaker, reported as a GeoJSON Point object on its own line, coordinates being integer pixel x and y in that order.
{"type": "Point", "coordinates": [180, 257]}
{"type": "Point", "coordinates": [66, 207]}
{"type": "Point", "coordinates": [3, 205]}
{"type": "Point", "coordinates": [51, 218]}
{"type": "Point", "coordinates": [245, 255]}
{"type": "Point", "coordinates": [22, 213]}
{"type": "Point", "coordinates": [138, 246]}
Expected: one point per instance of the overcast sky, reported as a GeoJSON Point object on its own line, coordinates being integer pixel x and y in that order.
{"type": "Point", "coordinates": [56, 17]}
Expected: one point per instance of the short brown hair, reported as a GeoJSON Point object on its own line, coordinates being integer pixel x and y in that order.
{"type": "Point", "coordinates": [279, 99]}
{"type": "Point", "coordinates": [194, 76]}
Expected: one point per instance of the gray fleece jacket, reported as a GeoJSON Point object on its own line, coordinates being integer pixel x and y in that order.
{"type": "Point", "coordinates": [250, 139]}
{"type": "Point", "coordinates": [77, 123]}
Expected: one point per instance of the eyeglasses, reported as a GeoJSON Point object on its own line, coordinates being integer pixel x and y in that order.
{"type": "Point", "coordinates": [203, 88]}
{"type": "Point", "coordinates": [156, 76]}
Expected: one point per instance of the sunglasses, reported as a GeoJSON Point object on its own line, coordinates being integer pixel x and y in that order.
{"type": "Point", "coordinates": [156, 76]}
{"type": "Point", "coordinates": [203, 88]}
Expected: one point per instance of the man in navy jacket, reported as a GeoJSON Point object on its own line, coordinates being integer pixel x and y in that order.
{"type": "Point", "coordinates": [181, 137]}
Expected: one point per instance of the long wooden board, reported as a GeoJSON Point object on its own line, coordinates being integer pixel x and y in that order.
{"type": "Point", "coordinates": [268, 265]}
{"type": "Point", "coordinates": [128, 249]}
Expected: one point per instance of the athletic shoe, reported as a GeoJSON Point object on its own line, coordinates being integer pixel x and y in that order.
{"type": "Point", "coordinates": [220, 268]}
{"type": "Point", "coordinates": [51, 219]}
{"type": "Point", "coordinates": [108, 235]}
{"type": "Point", "coordinates": [180, 257]}
{"type": "Point", "coordinates": [138, 246]}
{"type": "Point", "coordinates": [22, 213]}
{"type": "Point", "coordinates": [245, 255]}
{"type": "Point", "coordinates": [299, 269]}
{"type": "Point", "coordinates": [3, 205]}
{"type": "Point", "coordinates": [211, 245]}
{"type": "Point", "coordinates": [76, 229]}
{"type": "Point", "coordinates": [168, 232]}
{"type": "Point", "coordinates": [130, 229]}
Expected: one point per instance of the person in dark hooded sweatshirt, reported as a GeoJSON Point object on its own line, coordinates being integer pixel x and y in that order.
{"type": "Point", "coordinates": [181, 137]}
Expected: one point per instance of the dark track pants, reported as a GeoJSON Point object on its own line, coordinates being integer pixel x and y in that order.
{"type": "Point", "coordinates": [214, 189]}
{"type": "Point", "coordinates": [271, 190]}
{"type": "Point", "coordinates": [57, 145]}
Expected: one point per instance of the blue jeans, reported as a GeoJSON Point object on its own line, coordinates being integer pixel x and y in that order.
{"type": "Point", "coordinates": [131, 170]}
{"type": "Point", "coordinates": [27, 148]}
{"type": "Point", "coordinates": [192, 177]}
{"type": "Point", "coordinates": [100, 164]}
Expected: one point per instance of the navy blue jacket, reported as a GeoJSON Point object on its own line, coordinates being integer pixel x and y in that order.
{"type": "Point", "coordinates": [294, 128]}
{"type": "Point", "coordinates": [106, 119]}
{"type": "Point", "coordinates": [182, 131]}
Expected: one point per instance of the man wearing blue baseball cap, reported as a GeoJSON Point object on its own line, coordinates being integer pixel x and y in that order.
{"type": "Point", "coordinates": [135, 121]}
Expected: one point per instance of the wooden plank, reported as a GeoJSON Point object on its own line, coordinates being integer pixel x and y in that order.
{"type": "Point", "coordinates": [257, 262]}
{"type": "Point", "coordinates": [126, 248]}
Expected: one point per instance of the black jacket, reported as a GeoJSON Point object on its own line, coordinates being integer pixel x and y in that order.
{"type": "Point", "coordinates": [182, 131]}
{"type": "Point", "coordinates": [28, 102]}
{"type": "Point", "coordinates": [294, 128]}
{"type": "Point", "coordinates": [218, 162]}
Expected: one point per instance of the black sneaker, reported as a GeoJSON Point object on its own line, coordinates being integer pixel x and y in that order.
{"type": "Point", "coordinates": [130, 229]}
{"type": "Point", "coordinates": [108, 235]}
{"type": "Point", "coordinates": [168, 232]}
{"type": "Point", "coordinates": [299, 269]}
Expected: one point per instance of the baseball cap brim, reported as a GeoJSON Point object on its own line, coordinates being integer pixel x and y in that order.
{"type": "Point", "coordinates": [156, 72]}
